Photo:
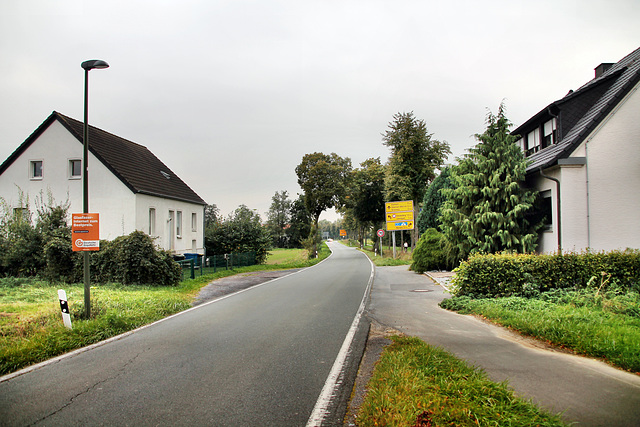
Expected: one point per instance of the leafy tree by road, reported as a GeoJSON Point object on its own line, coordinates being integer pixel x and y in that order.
{"type": "Point", "coordinates": [487, 210]}
{"type": "Point", "coordinates": [433, 200]}
{"type": "Point", "coordinates": [300, 222]}
{"type": "Point", "coordinates": [241, 231]}
{"type": "Point", "coordinates": [323, 179]}
{"type": "Point", "coordinates": [366, 195]}
{"type": "Point", "coordinates": [415, 156]}
{"type": "Point", "coordinates": [278, 218]}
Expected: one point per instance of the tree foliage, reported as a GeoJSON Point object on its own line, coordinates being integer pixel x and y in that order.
{"type": "Point", "coordinates": [365, 202]}
{"type": "Point", "coordinates": [487, 210]}
{"type": "Point", "coordinates": [415, 156]}
{"type": "Point", "coordinates": [324, 179]}
{"type": "Point", "coordinates": [300, 226]}
{"type": "Point", "coordinates": [278, 218]}
{"type": "Point", "coordinates": [433, 200]}
{"type": "Point", "coordinates": [241, 231]}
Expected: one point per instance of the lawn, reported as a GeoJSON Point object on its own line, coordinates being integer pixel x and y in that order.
{"type": "Point", "coordinates": [604, 325]}
{"type": "Point", "coordinates": [415, 384]}
{"type": "Point", "coordinates": [31, 328]}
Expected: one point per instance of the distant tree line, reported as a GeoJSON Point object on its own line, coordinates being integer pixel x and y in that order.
{"type": "Point", "coordinates": [477, 205]}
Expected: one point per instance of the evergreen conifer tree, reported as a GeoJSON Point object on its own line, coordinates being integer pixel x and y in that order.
{"type": "Point", "coordinates": [486, 211]}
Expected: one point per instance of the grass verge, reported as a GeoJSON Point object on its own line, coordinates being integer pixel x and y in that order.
{"type": "Point", "coordinates": [387, 259]}
{"type": "Point", "coordinates": [415, 384]}
{"type": "Point", "coordinates": [605, 325]}
{"type": "Point", "coordinates": [31, 329]}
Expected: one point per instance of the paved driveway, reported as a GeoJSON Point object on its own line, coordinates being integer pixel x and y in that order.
{"type": "Point", "coordinates": [588, 391]}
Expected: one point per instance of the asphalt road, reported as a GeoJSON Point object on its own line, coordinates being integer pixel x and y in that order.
{"type": "Point", "coordinates": [587, 391]}
{"type": "Point", "coordinates": [258, 357]}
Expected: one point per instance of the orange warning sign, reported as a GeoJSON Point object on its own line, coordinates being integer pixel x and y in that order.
{"type": "Point", "coordinates": [85, 232]}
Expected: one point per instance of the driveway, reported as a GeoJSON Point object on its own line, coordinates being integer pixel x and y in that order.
{"type": "Point", "coordinates": [587, 391]}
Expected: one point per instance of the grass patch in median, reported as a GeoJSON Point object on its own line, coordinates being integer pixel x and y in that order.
{"type": "Point", "coordinates": [418, 384]}
{"type": "Point", "coordinates": [31, 329]}
{"type": "Point", "coordinates": [598, 324]}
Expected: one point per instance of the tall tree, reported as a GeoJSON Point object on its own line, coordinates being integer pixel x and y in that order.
{"type": "Point", "coordinates": [487, 210]}
{"type": "Point", "coordinates": [433, 201]}
{"type": "Point", "coordinates": [367, 195]}
{"type": "Point", "coordinates": [278, 218]}
{"type": "Point", "coordinates": [241, 231]}
{"type": "Point", "coordinates": [324, 179]}
{"type": "Point", "coordinates": [300, 222]}
{"type": "Point", "coordinates": [415, 156]}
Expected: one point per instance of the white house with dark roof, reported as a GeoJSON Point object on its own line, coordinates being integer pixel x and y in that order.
{"type": "Point", "coordinates": [129, 187]}
{"type": "Point", "coordinates": [584, 154]}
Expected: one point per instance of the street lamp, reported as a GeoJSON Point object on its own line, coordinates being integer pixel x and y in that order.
{"type": "Point", "coordinates": [87, 66]}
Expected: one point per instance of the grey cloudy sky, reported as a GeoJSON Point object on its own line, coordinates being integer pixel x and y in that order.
{"type": "Point", "coordinates": [230, 94]}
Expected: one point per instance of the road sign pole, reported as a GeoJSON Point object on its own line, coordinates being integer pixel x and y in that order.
{"type": "Point", "coordinates": [394, 244]}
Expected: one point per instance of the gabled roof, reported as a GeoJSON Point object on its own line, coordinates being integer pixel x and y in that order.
{"type": "Point", "coordinates": [580, 112]}
{"type": "Point", "coordinates": [137, 167]}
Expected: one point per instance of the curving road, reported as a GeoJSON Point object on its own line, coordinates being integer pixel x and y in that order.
{"type": "Point", "coordinates": [258, 357]}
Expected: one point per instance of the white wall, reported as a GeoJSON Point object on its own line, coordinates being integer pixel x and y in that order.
{"type": "Point", "coordinates": [182, 244]}
{"type": "Point", "coordinates": [613, 157]}
{"type": "Point", "coordinates": [121, 211]}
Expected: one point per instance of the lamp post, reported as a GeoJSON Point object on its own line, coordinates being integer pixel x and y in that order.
{"type": "Point", "coordinates": [87, 66]}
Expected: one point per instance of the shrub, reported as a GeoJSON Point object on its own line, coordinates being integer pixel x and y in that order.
{"type": "Point", "coordinates": [134, 259]}
{"type": "Point", "coordinates": [429, 253]}
{"type": "Point", "coordinates": [500, 275]}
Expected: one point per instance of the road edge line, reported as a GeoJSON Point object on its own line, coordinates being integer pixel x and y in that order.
{"type": "Point", "coordinates": [321, 408]}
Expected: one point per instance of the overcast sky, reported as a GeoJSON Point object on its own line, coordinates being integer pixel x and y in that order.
{"type": "Point", "coordinates": [230, 94]}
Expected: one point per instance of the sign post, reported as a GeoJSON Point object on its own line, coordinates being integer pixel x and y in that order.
{"type": "Point", "coordinates": [380, 234]}
{"type": "Point", "coordinates": [399, 216]}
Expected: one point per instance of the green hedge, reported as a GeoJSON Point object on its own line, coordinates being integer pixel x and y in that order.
{"type": "Point", "coordinates": [501, 275]}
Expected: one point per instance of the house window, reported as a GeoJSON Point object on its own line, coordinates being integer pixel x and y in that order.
{"type": "Point", "coordinates": [194, 221]}
{"type": "Point", "coordinates": [520, 143]}
{"type": "Point", "coordinates": [179, 224]}
{"type": "Point", "coordinates": [550, 133]}
{"type": "Point", "coordinates": [75, 169]}
{"type": "Point", "coordinates": [152, 221]}
{"type": "Point", "coordinates": [533, 142]}
{"type": "Point", "coordinates": [35, 169]}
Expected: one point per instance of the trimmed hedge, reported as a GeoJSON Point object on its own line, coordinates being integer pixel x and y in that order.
{"type": "Point", "coordinates": [499, 275]}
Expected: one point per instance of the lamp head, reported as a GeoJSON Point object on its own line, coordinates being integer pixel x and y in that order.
{"type": "Point", "coordinates": [94, 63]}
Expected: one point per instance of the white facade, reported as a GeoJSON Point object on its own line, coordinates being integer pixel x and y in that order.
{"type": "Point", "coordinates": [600, 187]}
{"type": "Point", "coordinates": [121, 210]}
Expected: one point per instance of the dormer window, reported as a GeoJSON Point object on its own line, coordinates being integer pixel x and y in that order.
{"type": "Point", "coordinates": [550, 133]}
{"type": "Point", "coordinates": [533, 142]}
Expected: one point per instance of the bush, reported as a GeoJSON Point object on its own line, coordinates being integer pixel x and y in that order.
{"type": "Point", "coordinates": [429, 253]}
{"type": "Point", "coordinates": [501, 275]}
{"type": "Point", "coordinates": [134, 260]}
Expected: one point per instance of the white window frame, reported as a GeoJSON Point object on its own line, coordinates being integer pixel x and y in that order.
{"type": "Point", "coordinates": [550, 131]}
{"type": "Point", "coordinates": [194, 221]}
{"type": "Point", "coordinates": [32, 169]}
{"type": "Point", "coordinates": [152, 221]}
{"type": "Point", "coordinates": [179, 224]}
{"type": "Point", "coordinates": [71, 163]}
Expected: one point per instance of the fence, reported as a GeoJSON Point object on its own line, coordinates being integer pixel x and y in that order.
{"type": "Point", "coordinates": [198, 266]}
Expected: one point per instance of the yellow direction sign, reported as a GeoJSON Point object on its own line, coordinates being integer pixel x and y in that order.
{"type": "Point", "coordinates": [400, 216]}
{"type": "Point", "coordinates": [404, 206]}
{"type": "Point", "coordinates": [399, 225]}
